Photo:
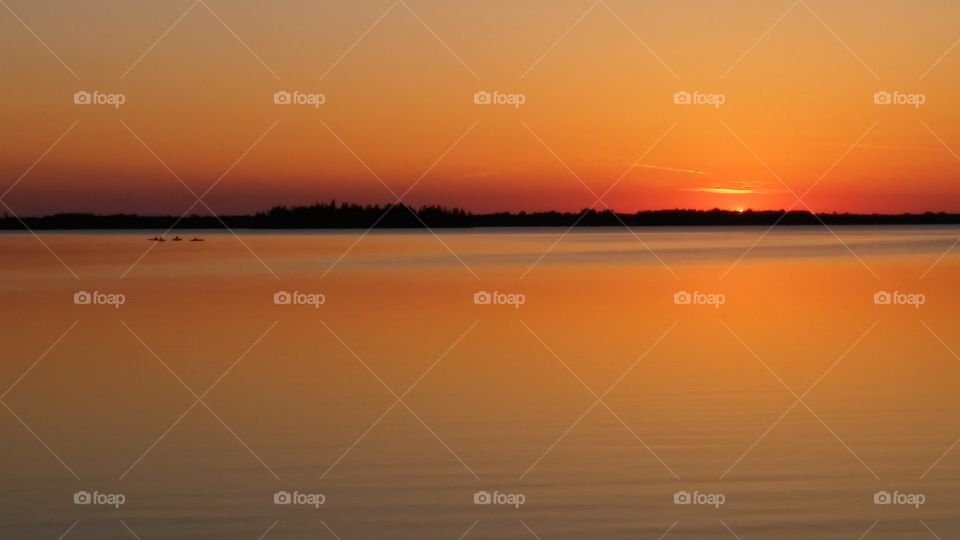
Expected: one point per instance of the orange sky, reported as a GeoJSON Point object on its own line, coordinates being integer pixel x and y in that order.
{"type": "Point", "coordinates": [797, 79]}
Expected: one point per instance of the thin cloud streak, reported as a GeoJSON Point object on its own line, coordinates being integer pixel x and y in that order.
{"type": "Point", "coordinates": [722, 191]}
{"type": "Point", "coordinates": [669, 169]}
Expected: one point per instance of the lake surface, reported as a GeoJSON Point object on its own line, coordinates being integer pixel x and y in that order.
{"type": "Point", "coordinates": [583, 390]}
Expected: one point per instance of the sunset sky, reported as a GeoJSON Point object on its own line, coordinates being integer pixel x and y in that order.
{"type": "Point", "coordinates": [798, 80]}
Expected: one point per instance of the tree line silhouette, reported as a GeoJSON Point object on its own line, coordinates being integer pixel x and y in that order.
{"type": "Point", "coordinates": [400, 216]}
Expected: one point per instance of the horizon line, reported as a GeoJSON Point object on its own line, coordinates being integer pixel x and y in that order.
{"type": "Point", "coordinates": [400, 215]}
{"type": "Point", "coordinates": [346, 205]}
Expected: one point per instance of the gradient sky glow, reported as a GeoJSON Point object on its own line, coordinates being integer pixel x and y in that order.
{"type": "Point", "coordinates": [799, 79]}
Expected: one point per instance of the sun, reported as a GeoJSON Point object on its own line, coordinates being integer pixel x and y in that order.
{"type": "Point", "coordinates": [740, 210]}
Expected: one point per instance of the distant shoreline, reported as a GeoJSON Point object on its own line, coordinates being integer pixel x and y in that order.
{"type": "Point", "coordinates": [331, 216]}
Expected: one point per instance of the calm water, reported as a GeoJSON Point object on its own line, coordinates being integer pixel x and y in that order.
{"type": "Point", "coordinates": [794, 402]}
